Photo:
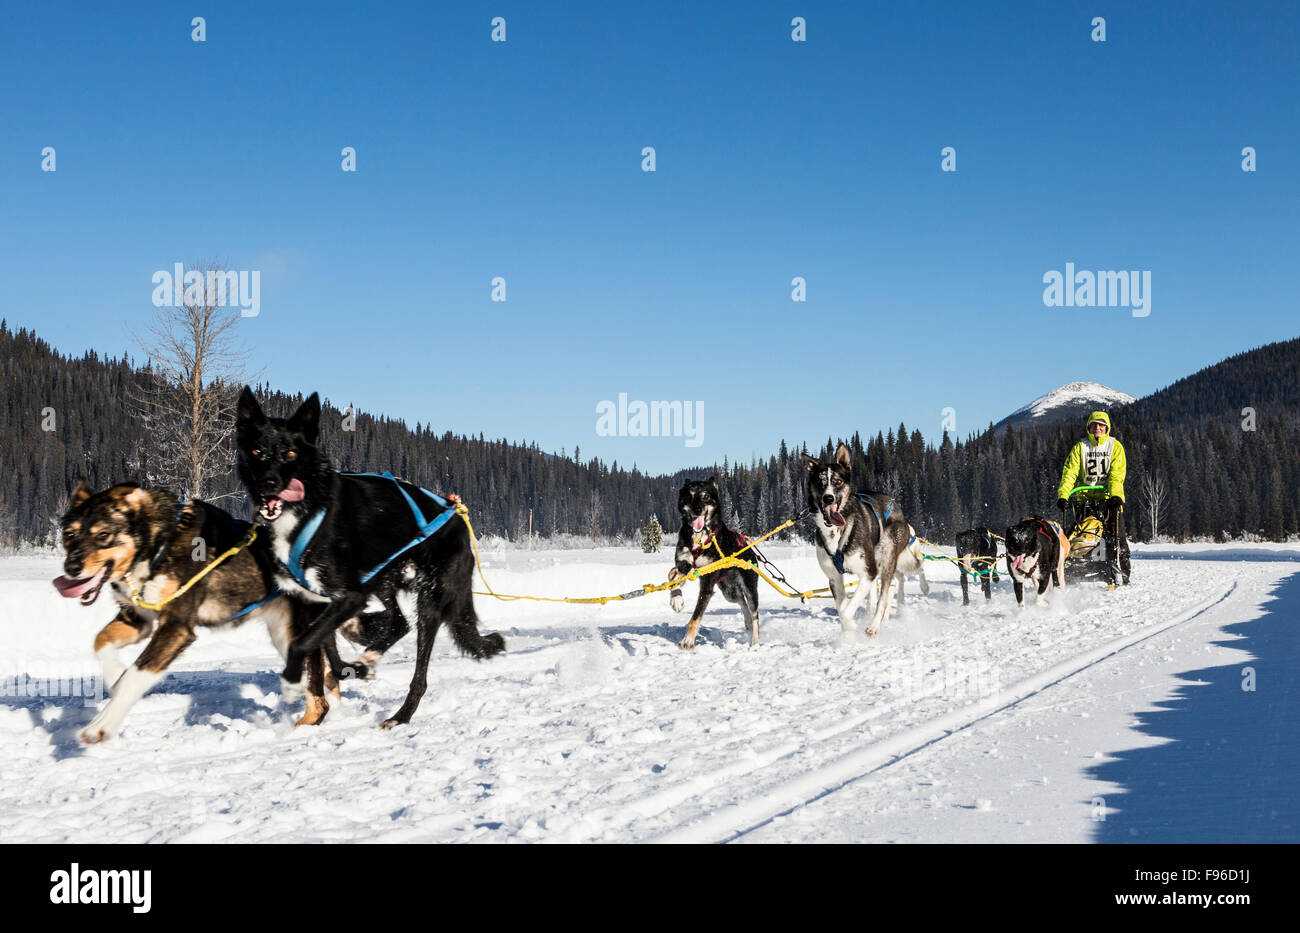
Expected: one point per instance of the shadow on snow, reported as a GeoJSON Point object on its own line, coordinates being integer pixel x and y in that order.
{"type": "Point", "coordinates": [1230, 768]}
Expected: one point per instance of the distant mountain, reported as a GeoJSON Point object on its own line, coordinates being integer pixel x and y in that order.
{"type": "Point", "coordinates": [1264, 379]}
{"type": "Point", "coordinates": [1072, 400]}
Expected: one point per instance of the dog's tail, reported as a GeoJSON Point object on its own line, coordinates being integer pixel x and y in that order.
{"type": "Point", "coordinates": [470, 641]}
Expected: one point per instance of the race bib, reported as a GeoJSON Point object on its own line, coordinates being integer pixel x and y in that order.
{"type": "Point", "coordinates": [1096, 463]}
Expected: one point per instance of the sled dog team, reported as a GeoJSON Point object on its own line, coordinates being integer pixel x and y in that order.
{"type": "Point", "coordinates": [333, 552]}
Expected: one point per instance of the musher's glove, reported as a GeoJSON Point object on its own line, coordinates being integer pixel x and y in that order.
{"type": "Point", "coordinates": [1060, 504]}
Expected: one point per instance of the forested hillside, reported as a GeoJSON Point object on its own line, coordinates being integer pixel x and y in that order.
{"type": "Point", "coordinates": [64, 418]}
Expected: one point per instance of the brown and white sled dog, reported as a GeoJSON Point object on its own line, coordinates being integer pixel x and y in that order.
{"type": "Point", "coordinates": [144, 542]}
{"type": "Point", "coordinates": [863, 534]}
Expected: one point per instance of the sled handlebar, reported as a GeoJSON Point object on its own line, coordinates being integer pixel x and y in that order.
{"type": "Point", "coordinates": [1078, 489]}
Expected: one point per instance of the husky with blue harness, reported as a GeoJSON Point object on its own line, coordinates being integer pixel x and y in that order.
{"type": "Point", "coordinates": [862, 534]}
{"type": "Point", "coordinates": [355, 542]}
{"type": "Point", "coordinates": [172, 567]}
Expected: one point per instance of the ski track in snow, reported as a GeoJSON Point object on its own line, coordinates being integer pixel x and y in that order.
{"type": "Point", "coordinates": [594, 726]}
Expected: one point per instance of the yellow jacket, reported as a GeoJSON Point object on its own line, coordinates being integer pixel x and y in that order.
{"type": "Point", "coordinates": [1095, 463]}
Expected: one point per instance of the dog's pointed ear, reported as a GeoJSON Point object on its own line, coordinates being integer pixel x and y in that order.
{"type": "Point", "coordinates": [810, 462]}
{"type": "Point", "coordinates": [306, 420]}
{"type": "Point", "coordinates": [138, 498]}
{"type": "Point", "coordinates": [713, 481]}
{"type": "Point", "coordinates": [842, 457]}
{"type": "Point", "coordinates": [80, 494]}
{"type": "Point", "coordinates": [247, 411]}
{"type": "Point", "coordinates": [131, 495]}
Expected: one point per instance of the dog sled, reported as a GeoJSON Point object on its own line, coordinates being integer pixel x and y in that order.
{"type": "Point", "coordinates": [1086, 517]}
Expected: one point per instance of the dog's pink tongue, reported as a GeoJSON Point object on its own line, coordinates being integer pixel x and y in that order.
{"type": "Point", "coordinates": [833, 516]}
{"type": "Point", "coordinates": [72, 588]}
{"type": "Point", "coordinates": [293, 492]}
{"type": "Point", "coordinates": [698, 524]}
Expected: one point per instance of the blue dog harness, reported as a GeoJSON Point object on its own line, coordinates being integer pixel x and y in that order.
{"type": "Point", "coordinates": [867, 501]}
{"type": "Point", "coordinates": [275, 591]}
{"type": "Point", "coordinates": [838, 557]}
{"type": "Point", "coordinates": [425, 528]}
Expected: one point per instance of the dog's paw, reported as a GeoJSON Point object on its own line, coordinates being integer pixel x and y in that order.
{"type": "Point", "coordinates": [93, 735]}
{"type": "Point", "coordinates": [686, 644]}
{"type": "Point", "coordinates": [290, 692]}
{"type": "Point", "coordinates": [313, 717]}
{"type": "Point", "coordinates": [678, 602]}
{"type": "Point", "coordinates": [872, 632]}
{"type": "Point", "coordinates": [390, 723]}
{"type": "Point", "coordinates": [356, 670]}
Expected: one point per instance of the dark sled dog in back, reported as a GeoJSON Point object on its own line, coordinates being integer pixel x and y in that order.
{"type": "Point", "coordinates": [354, 542]}
{"type": "Point", "coordinates": [859, 533]}
{"type": "Point", "coordinates": [145, 545]}
{"type": "Point", "coordinates": [977, 552]}
{"type": "Point", "coordinates": [1036, 552]}
{"type": "Point", "coordinates": [698, 543]}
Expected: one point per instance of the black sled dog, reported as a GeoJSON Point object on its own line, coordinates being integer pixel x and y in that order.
{"type": "Point", "coordinates": [1036, 551]}
{"type": "Point", "coordinates": [698, 543]}
{"type": "Point", "coordinates": [357, 541]}
{"type": "Point", "coordinates": [977, 552]}
{"type": "Point", "coordinates": [864, 534]}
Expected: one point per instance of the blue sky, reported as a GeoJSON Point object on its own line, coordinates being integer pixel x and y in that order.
{"type": "Point", "coordinates": [775, 159]}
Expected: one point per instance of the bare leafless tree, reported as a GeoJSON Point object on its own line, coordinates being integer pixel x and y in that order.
{"type": "Point", "coordinates": [1155, 498]}
{"type": "Point", "coordinates": [54, 520]}
{"type": "Point", "coordinates": [7, 535]}
{"type": "Point", "coordinates": [893, 485]}
{"type": "Point", "coordinates": [597, 514]}
{"type": "Point", "coordinates": [186, 393]}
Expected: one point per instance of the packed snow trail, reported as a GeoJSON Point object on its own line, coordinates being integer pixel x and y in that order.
{"type": "Point", "coordinates": [1188, 735]}
{"type": "Point", "coordinates": [594, 725]}
{"type": "Point", "coordinates": [743, 817]}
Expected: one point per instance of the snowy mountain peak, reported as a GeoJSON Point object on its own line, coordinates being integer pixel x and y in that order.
{"type": "Point", "coordinates": [1070, 400]}
{"type": "Point", "coordinates": [1072, 395]}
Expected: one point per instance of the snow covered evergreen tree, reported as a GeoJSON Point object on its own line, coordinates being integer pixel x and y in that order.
{"type": "Point", "coordinates": [652, 536]}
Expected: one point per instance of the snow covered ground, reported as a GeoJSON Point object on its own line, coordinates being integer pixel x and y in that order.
{"type": "Point", "coordinates": [1109, 717]}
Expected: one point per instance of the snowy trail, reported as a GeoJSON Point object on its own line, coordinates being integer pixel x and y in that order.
{"type": "Point", "coordinates": [593, 726]}
{"type": "Point", "coordinates": [1091, 756]}
{"type": "Point", "coordinates": [741, 818]}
